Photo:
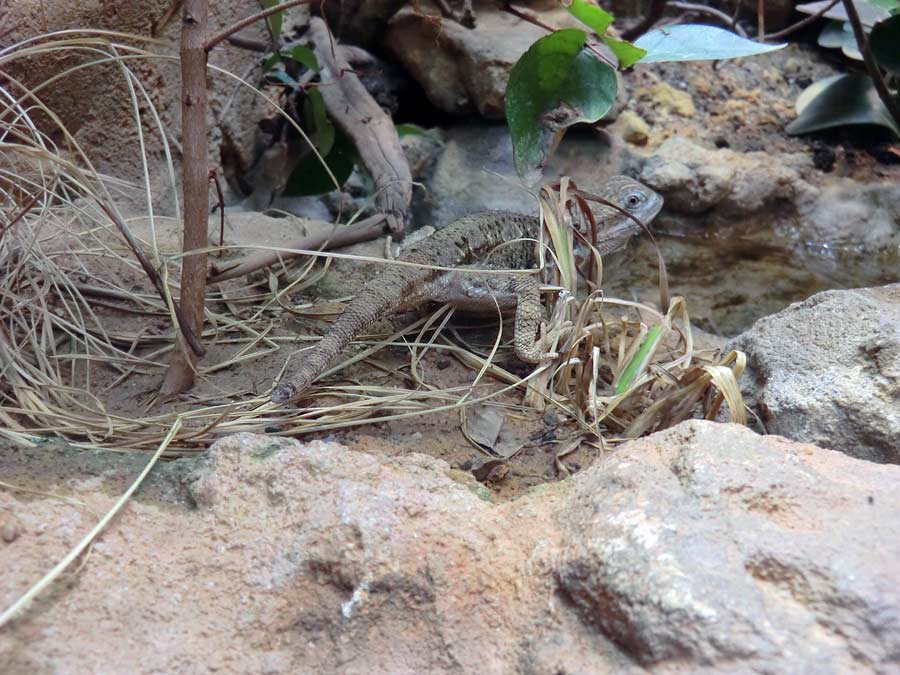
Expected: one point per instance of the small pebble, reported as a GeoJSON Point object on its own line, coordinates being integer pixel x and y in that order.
{"type": "Point", "coordinates": [9, 532]}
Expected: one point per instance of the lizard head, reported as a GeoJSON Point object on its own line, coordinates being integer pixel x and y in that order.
{"type": "Point", "coordinates": [632, 196]}
{"type": "Point", "coordinates": [615, 227]}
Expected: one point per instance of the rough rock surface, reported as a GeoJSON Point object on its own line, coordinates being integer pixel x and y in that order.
{"type": "Point", "coordinates": [849, 212]}
{"type": "Point", "coordinates": [700, 549]}
{"type": "Point", "coordinates": [475, 171]}
{"type": "Point", "coordinates": [95, 105]}
{"type": "Point", "coordinates": [463, 70]}
{"type": "Point", "coordinates": [694, 179]}
{"type": "Point", "coordinates": [827, 371]}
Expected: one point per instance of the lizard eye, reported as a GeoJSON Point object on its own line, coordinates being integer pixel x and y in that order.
{"type": "Point", "coordinates": [633, 200]}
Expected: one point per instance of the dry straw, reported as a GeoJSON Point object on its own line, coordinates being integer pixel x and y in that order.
{"type": "Point", "coordinates": [623, 368]}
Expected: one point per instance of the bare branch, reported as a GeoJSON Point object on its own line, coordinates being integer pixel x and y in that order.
{"type": "Point", "coordinates": [243, 23]}
{"type": "Point", "coordinates": [364, 230]}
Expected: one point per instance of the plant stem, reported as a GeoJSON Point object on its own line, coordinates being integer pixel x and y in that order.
{"type": "Point", "coordinates": [863, 43]}
{"type": "Point", "coordinates": [243, 23]}
{"type": "Point", "coordinates": [180, 375]}
{"type": "Point", "coordinates": [654, 14]}
{"type": "Point", "coordinates": [802, 23]}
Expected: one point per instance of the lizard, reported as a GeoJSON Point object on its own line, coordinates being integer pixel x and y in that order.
{"type": "Point", "coordinates": [497, 240]}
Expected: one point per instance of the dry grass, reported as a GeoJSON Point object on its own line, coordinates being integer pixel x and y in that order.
{"type": "Point", "coordinates": [69, 273]}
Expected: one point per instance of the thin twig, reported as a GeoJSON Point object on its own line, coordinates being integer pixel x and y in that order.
{"type": "Point", "coordinates": [532, 19]}
{"type": "Point", "coordinates": [254, 45]}
{"type": "Point", "coordinates": [760, 20]}
{"type": "Point", "coordinates": [712, 11]}
{"type": "Point", "coordinates": [157, 26]}
{"type": "Point", "coordinates": [243, 23]}
{"type": "Point", "coordinates": [154, 278]}
{"type": "Point", "coordinates": [15, 219]}
{"type": "Point", "coordinates": [221, 206]}
{"type": "Point", "coordinates": [364, 230]}
{"type": "Point", "coordinates": [863, 43]}
{"type": "Point", "coordinates": [802, 23]}
{"type": "Point", "coordinates": [654, 14]}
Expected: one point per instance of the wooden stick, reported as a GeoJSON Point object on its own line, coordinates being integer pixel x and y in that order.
{"type": "Point", "coordinates": [195, 175]}
{"type": "Point", "coordinates": [364, 230]}
{"type": "Point", "coordinates": [243, 23]}
{"type": "Point", "coordinates": [373, 133]}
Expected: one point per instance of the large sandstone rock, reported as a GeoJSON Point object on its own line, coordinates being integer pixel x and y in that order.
{"type": "Point", "coordinates": [475, 171]}
{"type": "Point", "coordinates": [702, 549]}
{"type": "Point", "coordinates": [462, 70]}
{"type": "Point", "coordinates": [827, 371]}
{"type": "Point", "coordinates": [95, 105]}
{"type": "Point", "coordinates": [695, 180]}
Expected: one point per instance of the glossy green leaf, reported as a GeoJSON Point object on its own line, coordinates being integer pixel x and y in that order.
{"type": "Point", "coordinates": [590, 15]}
{"type": "Point", "coordinates": [270, 61]}
{"type": "Point", "coordinates": [837, 101]}
{"type": "Point", "coordinates": [408, 129]}
{"type": "Point", "coordinates": [274, 20]}
{"type": "Point", "coordinates": [692, 42]}
{"type": "Point", "coordinates": [832, 35]}
{"type": "Point", "coordinates": [554, 85]}
{"type": "Point", "coordinates": [316, 120]}
{"type": "Point", "coordinates": [885, 44]}
{"type": "Point", "coordinates": [310, 177]}
{"type": "Point", "coordinates": [893, 6]}
{"type": "Point", "coordinates": [283, 77]}
{"type": "Point", "coordinates": [870, 13]}
{"type": "Point", "coordinates": [303, 55]}
{"type": "Point", "coordinates": [640, 360]}
{"type": "Point", "coordinates": [627, 53]}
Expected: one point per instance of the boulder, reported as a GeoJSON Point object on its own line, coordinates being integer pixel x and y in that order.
{"type": "Point", "coordinates": [705, 549]}
{"type": "Point", "coordinates": [827, 371]}
{"type": "Point", "coordinates": [695, 180]}
{"type": "Point", "coordinates": [465, 70]}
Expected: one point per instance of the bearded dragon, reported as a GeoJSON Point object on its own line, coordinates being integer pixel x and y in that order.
{"type": "Point", "coordinates": [492, 240]}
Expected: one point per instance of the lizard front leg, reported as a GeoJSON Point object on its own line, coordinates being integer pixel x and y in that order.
{"type": "Point", "coordinates": [483, 294]}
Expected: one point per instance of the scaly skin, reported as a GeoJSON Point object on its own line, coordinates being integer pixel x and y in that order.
{"type": "Point", "coordinates": [495, 240]}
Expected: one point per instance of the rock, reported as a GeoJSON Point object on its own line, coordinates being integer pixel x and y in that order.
{"type": "Point", "coordinates": [853, 213]}
{"type": "Point", "coordinates": [462, 70]}
{"type": "Point", "coordinates": [632, 128]}
{"type": "Point", "coordinates": [665, 98]}
{"type": "Point", "coordinates": [706, 545]}
{"type": "Point", "coordinates": [475, 171]}
{"type": "Point", "coordinates": [827, 371]}
{"type": "Point", "coordinates": [95, 105]}
{"type": "Point", "coordinates": [702, 549]}
{"type": "Point", "coordinates": [694, 179]}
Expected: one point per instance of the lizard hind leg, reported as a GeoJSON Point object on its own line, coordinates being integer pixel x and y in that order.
{"type": "Point", "coordinates": [472, 292]}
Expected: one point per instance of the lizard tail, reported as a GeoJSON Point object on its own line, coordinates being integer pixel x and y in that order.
{"type": "Point", "coordinates": [377, 298]}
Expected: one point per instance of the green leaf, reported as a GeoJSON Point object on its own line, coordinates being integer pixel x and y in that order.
{"type": "Point", "coordinates": [415, 130]}
{"type": "Point", "coordinates": [270, 61]}
{"type": "Point", "coordinates": [885, 44]}
{"type": "Point", "coordinates": [590, 15]}
{"type": "Point", "coordinates": [832, 35]}
{"type": "Point", "coordinates": [626, 52]}
{"type": "Point", "coordinates": [893, 6]}
{"type": "Point", "coordinates": [640, 360]}
{"type": "Point", "coordinates": [316, 119]}
{"type": "Point", "coordinates": [692, 42]}
{"type": "Point", "coordinates": [274, 20]}
{"type": "Point", "coordinates": [837, 101]}
{"type": "Point", "coordinates": [283, 77]}
{"type": "Point", "coordinates": [870, 13]}
{"type": "Point", "coordinates": [303, 55]}
{"type": "Point", "coordinates": [555, 84]}
{"type": "Point", "coordinates": [310, 177]}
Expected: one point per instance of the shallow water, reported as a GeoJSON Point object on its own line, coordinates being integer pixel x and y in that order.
{"type": "Point", "coordinates": [731, 281]}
